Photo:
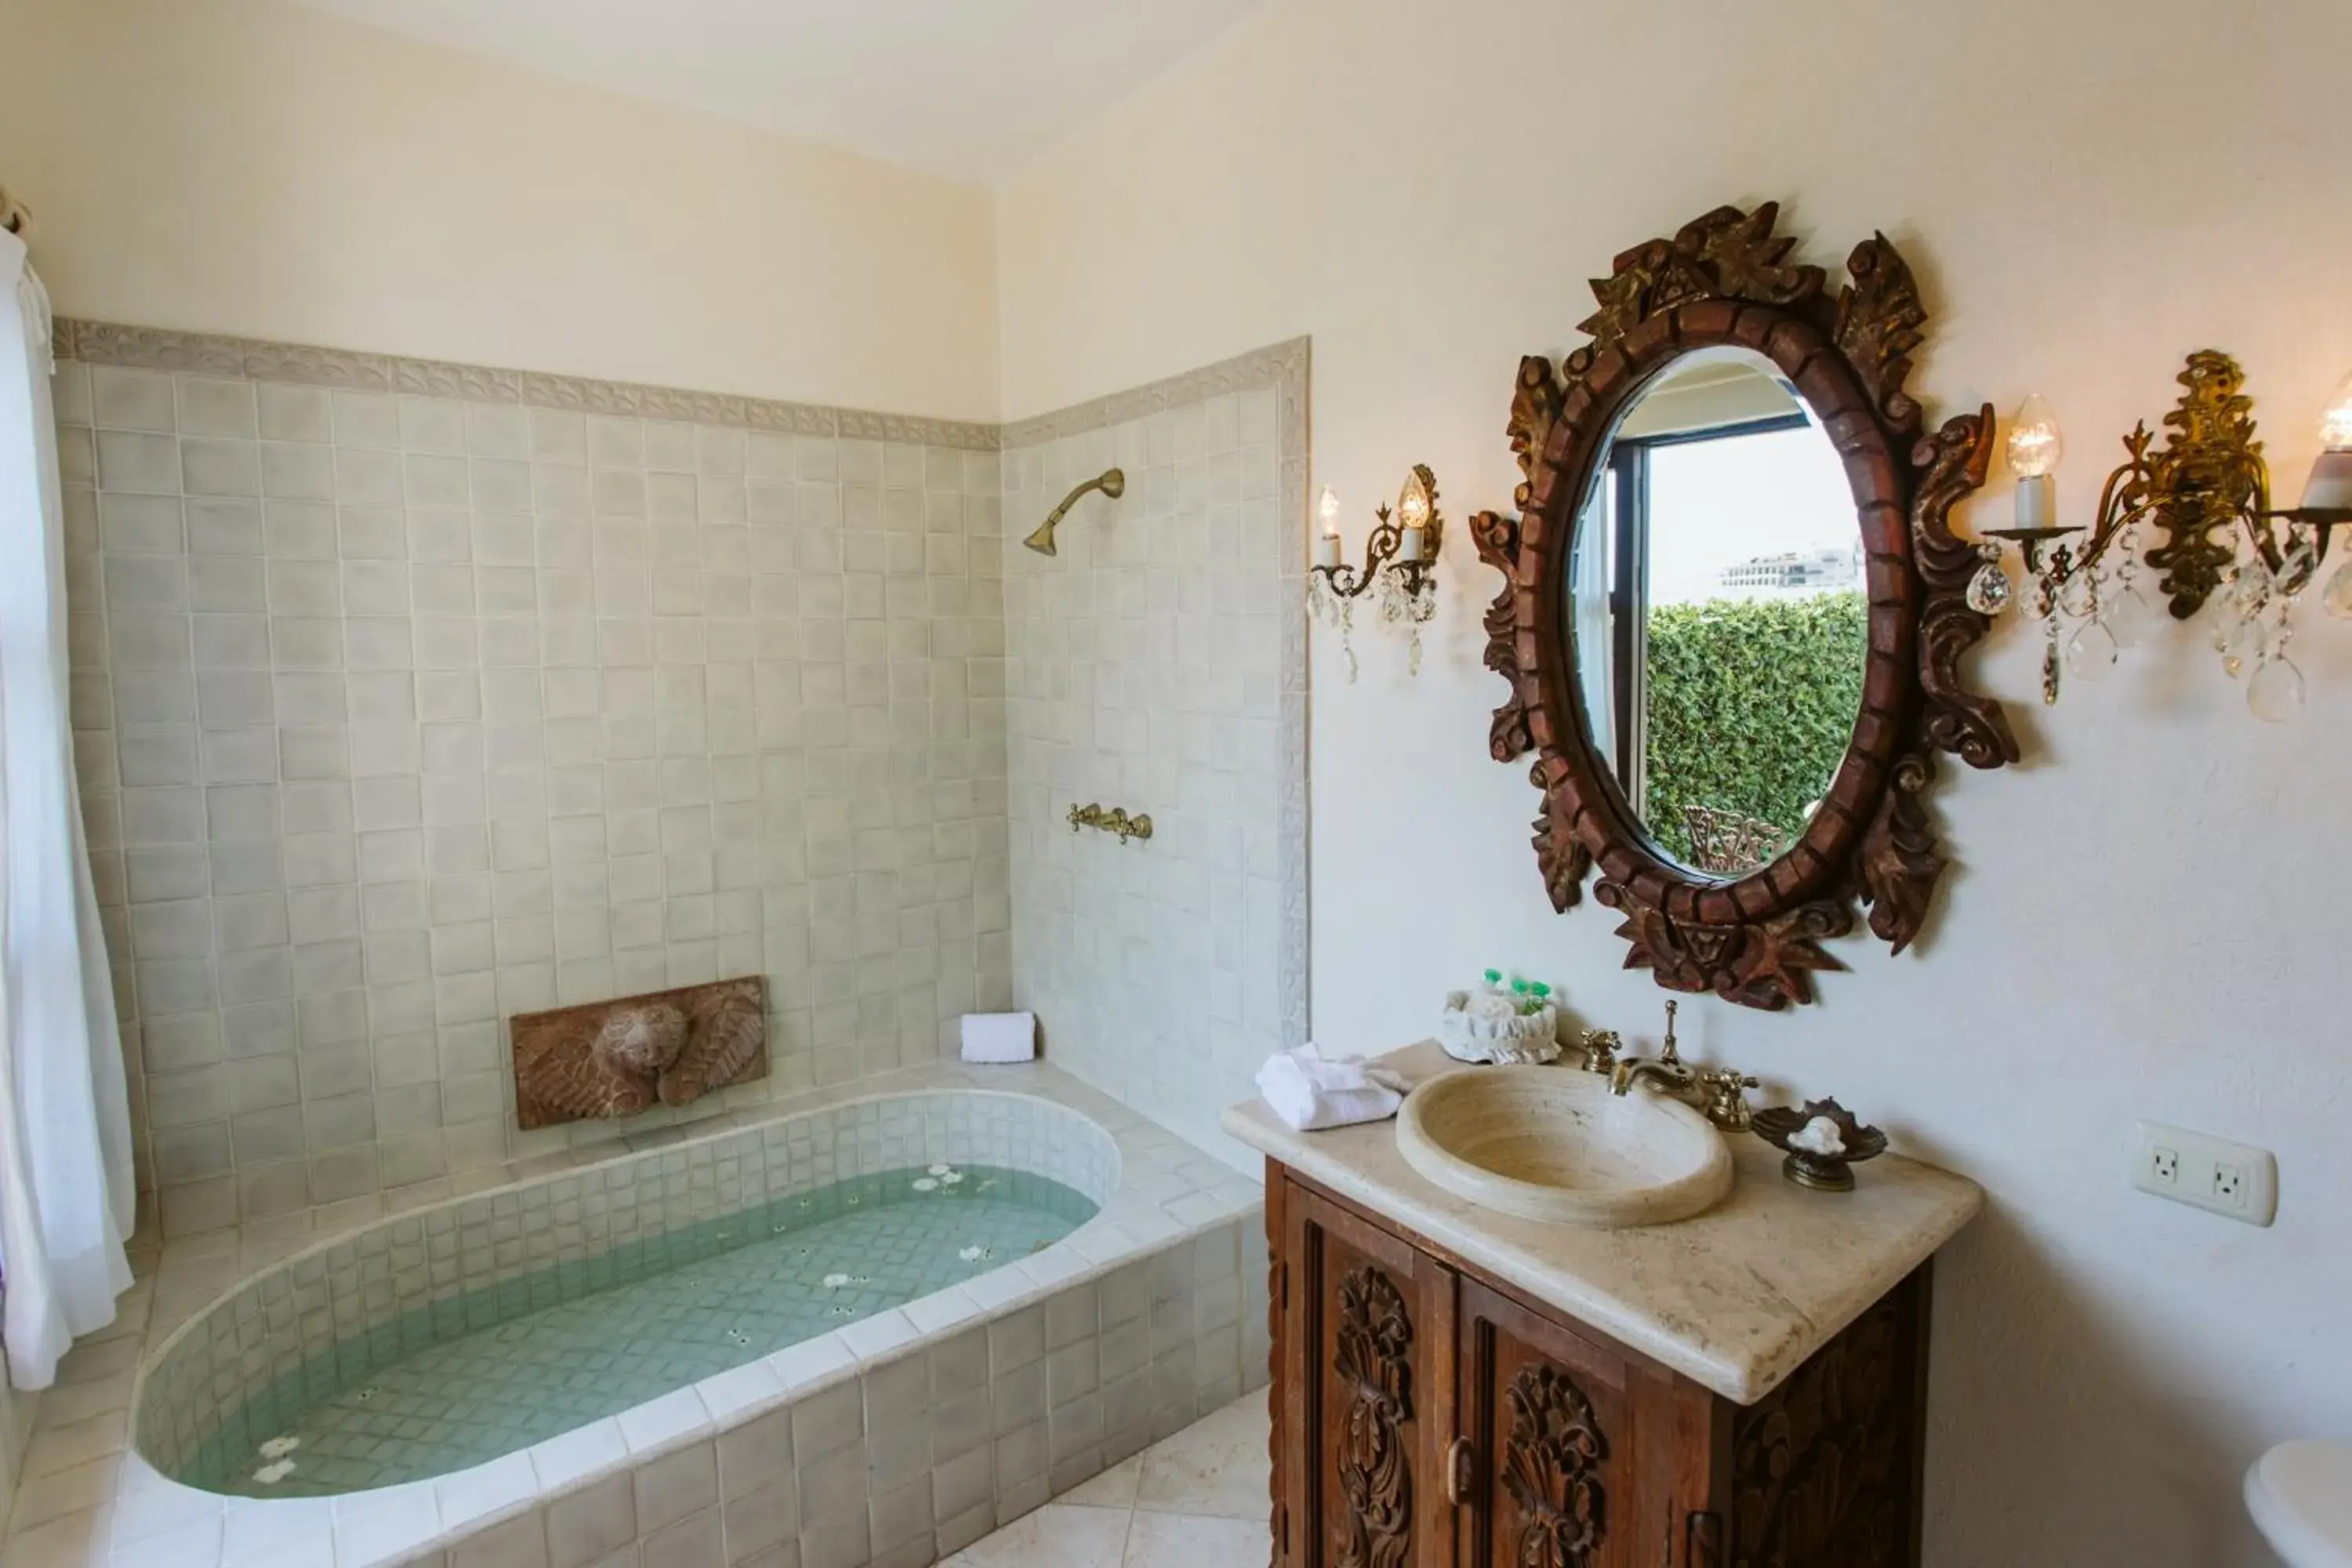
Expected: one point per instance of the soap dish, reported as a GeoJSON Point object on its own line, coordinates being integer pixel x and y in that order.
{"type": "Point", "coordinates": [1823, 1142]}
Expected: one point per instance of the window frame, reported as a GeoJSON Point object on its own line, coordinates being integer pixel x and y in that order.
{"type": "Point", "coordinates": [1629, 587]}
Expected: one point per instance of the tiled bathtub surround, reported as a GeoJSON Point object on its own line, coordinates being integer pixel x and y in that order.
{"type": "Point", "coordinates": [410, 696]}
{"type": "Point", "coordinates": [1158, 663]}
{"type": "Point", "coordinates": [896, 1439]}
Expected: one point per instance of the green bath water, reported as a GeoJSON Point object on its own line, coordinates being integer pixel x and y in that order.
{"type": "Point", "coordinates": [494, 1371]}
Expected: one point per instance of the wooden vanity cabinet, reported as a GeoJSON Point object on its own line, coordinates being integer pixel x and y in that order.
{"type": "Point", "coordinates": [1426, 1417]}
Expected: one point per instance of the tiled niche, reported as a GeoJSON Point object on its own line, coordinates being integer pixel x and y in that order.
{"type": "Point", "coordinates": [1158, 663]}
{"type": "Point", "coordinates": [409, 696]}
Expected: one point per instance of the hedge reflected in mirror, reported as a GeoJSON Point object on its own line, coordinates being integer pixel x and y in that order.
{"type": "Point", "coordinates": [1750, 705]}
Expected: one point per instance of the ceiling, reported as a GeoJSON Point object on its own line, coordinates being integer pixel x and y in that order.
{"type": "Point", "coordinates": [971, 90]}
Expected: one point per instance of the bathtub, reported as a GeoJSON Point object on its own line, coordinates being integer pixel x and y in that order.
{"type": "Point", "coordinates": [896, 1438]}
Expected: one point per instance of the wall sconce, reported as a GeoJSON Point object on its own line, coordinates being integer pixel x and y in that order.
{"type": "Point", "coordinates": [2205, 494]}
{"type": "Point", "coordinates": [1400, 560]}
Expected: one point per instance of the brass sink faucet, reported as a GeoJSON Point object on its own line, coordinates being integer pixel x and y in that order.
{"type": "Point", "coordinates": [1718, 1092]}
{"type": "Point", "coordinates": [1667, 1070]}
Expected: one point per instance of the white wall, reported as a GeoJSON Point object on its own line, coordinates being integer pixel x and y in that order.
{"type": "Point", "coordinates": [2144, 921]}
{"type": "Point", "coordinates": [250, 167]}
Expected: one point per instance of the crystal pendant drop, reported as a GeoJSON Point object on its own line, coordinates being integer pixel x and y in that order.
{"type": "Point", "coordinates": [1989, 592]}
{"type": "Point", "coordinates": [2243, 645]}
{"type": "Point", "coordinates": [2130, 615]}
{"type": "Point", "coordinates": [2079, 596]}
{"type": "Point", "coordinates": [2338, 597]}
{"type": "Point", "coordinates": [2274, 695]}
{"type": "Point", "coordinates": [2049, 670]}
{"type": "Point", "coordinates": [2090, 651]}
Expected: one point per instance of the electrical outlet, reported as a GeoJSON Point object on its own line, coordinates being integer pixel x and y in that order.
{"type": "Point", "coordinates": [2235, 1180]}
{"type": "Point", "coordinates": [2229, 1185]}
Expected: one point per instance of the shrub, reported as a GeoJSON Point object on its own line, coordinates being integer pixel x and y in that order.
{"type": "Point", "coordinates": [1751, 704]}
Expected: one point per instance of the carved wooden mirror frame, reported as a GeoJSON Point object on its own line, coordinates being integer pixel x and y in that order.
{"type": "Point", "coordinates": [1723, 280]}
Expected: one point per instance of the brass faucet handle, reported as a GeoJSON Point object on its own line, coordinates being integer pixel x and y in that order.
{"type": "Point", "coordinates": [1725, 1092]}
{"type": "Point", "coordinates": [1601, 1048]}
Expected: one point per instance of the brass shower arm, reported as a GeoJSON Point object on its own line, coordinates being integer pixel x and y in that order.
{"type": "Point", "coordinates": [1112, 482]}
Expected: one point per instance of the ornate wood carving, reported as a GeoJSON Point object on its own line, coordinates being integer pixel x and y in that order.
{"type": "Point", "coordinates": [1727, 279]}
{"type": "Point", "coordinates": [1550, 1464]}
{"type": "Point", "coordinates": [1560, 856]}
{"type": "Point", "coordinates": [1820, 1467]}
{"type": "Point", "coordinates": [606, 1060]}
{"type": "Point", "coordinates": [1950, 465]}
{"type": "Point", "coordinates": [1497, 541]}
{"type": "Point", "coordinates": [1371, 1354]}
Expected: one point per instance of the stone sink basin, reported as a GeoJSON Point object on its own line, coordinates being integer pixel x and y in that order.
{"type": "Point", "coordinates": [1552, 1144]}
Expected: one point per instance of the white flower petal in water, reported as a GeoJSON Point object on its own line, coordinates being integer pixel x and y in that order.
{"type": "Point", "coordinates": [939, 1170]}
{"type": "Point", "coordinates": [972, 1254]}
{"type": "Point", "coordinates": [925, 1184]}
{"type": "Point", "coordinates": [952, 1177]}
{"type": "Point", "coordinates": [835, 1282]}
{"type": "Point", "coordinates": [270, 1475]}
{"type": "Point", "coordinates": [279, 1447]}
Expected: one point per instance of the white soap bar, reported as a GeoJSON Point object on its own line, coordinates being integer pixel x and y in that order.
{"type": "Point", "coordinates": [1000, 1036]}
{"type": "Point", "coordinates": [1818, 1136]}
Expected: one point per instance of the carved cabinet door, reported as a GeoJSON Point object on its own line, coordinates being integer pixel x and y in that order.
{"type": "Point", "coordinates": [1365, 1411]}
{"type": "Point", "coordinates": [1580, 1457]}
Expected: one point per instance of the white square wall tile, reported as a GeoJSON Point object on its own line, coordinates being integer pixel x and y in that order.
{"type": "Point", "coordinates": [442, 706]}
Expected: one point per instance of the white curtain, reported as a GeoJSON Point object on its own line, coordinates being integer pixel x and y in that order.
{"type": "Point", "coordinates": [66, 1186]}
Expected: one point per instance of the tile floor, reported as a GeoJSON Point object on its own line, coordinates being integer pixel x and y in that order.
{"type": "Point", "coordinates": [1194, 1500]}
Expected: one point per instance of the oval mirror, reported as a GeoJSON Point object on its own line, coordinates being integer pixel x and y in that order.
{"type": "Point", "coordinates": [1715, 610]}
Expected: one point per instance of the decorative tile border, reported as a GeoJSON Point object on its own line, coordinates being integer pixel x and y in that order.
{"type": "Point", "coordinates": [1285, 367]}
{"type": "Point", "coordinates": [206, 354]}
{"type": "Point", "coordinates": [899, 1437]}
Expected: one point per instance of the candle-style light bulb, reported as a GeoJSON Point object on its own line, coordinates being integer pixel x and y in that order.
{"type": "Point", "coordinates": [1413, 516]}
{"type": "Point", "coordinates": [2035, 442]}
{"type": "Point", "coordinates": [1327, 544]}
{"type": "Point", "coordinates": [2035, 445]}
{"type": "Point", "coordinates": [1412, 506]}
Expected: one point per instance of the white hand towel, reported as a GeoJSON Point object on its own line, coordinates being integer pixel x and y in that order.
{"type": "Point", "coordinates": [1310, 1091]}
{"type": "Point", "coordinates": [1000, 1036]}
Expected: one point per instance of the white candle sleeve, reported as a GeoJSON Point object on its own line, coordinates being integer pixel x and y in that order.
{"type": "Point", "coordinates": [2329, 488]}
{"type": "Point", "coordinates": [2037, 502]}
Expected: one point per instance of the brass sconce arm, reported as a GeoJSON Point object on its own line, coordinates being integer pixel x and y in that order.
{"type": "Point", "coordinates": [1384, 548]}
{"type": "Point", "coordinates": [1400, 560]}
{"type": "Point", "coordinates": [2201, 492]}
{"type": "Point", "coordinates": [2209, 477]}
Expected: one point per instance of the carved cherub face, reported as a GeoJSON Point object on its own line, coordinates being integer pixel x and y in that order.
{"type": "Point", "coordinates": [641, 1040]}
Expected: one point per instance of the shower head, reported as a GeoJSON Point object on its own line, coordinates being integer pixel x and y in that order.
{"type": "Point", "coordinates": [1112, 482]}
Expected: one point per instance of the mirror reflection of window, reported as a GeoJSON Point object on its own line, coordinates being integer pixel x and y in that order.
{"type": "Point", "coordinates": [1720, 626]}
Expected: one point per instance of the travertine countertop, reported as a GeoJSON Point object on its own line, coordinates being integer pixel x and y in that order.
{"type": "Point", "coordinates": [1735, 1299]}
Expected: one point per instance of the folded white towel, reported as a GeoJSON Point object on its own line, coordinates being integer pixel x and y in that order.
{"type": "Point", "coordinates": [1000, 1036]}
{"type": "Point", "coordinates": [1310, 1091]}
